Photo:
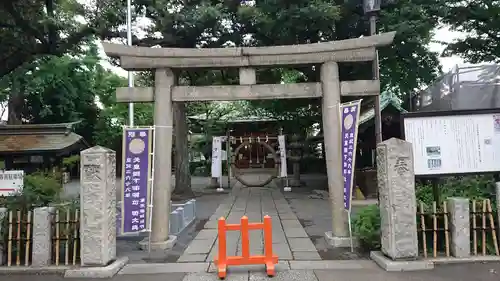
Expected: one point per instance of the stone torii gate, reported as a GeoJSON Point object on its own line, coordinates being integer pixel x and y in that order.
{"type": "Point", "coordinates": [164, 61]}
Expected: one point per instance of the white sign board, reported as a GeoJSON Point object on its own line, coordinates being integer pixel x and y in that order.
{"type": "Point", "coordinates": [216, 157]}
{"type": "Point", "coordinates": [11, 182]}
{"type": "Point", "coordinates": [283, 168]}
{"type": "Point", "coordinates": [454, 144]}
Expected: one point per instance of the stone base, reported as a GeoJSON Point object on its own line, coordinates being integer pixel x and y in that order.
{"type": "Point", "coordinates": [296, 183]}
{"type": "Point", "coordinates": [164, 245]}
{"type": "Point", "coordinates": [390, 265]}
{"type": "Point", "coordinates": [97, 272]}
{"type": "Point", "coordinates": [287, 189]}
{"type": "Point", "coordinates": [340, 242]}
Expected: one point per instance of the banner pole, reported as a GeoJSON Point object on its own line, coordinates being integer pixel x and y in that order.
{"type": "Point", "coordinates": [350, 230]}
{"type": "Point", "coordinates": [153, 147]}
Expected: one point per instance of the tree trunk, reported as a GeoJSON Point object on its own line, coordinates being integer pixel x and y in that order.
{"type": "Point", "coordinates": [182, 173]}
{"type": "Point", "coordinates": [16, 103]}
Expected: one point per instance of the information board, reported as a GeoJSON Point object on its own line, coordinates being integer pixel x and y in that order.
{"type": "Point", "coordinates": [11, 182]}
{"type": "Point", "coordinates": [463, 143]}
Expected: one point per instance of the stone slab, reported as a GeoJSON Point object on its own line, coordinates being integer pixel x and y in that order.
{"type": "Point", "coordinates": [199, 247]}
{"type": "Point", "coordinates": [282, 251]}
{"type": "Point", "coordinates": [213, 277]}
{"type": "Point", "coordinates": [210, 225]}
{"type": "Point", "coordinates": [301, 245]}
{"type": "Point", "coordinates": [159, 268]}
{"type": "Point", "coordinates": [280, 266]}
{"type": "Point", "coordinates": [291, 224]}
{"type": "Point", "coordinates": [296, 232]}
{"type": "Point", "coordinates": [290, 275]}
{"type": "Point", "coordinates": [192, 258]}
{"type": "Point", "coordinates": [306, 256]}
{"type": "Point", "coordinates": [391, 265]}
{"type": "Point", "coordinates": [206, 234]}
{"type": "Point", "coordinates": [97, 272]}
{"type": "Point", "coordinates": [332, 264]}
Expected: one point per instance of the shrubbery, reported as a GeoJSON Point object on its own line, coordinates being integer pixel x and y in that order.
{"type": "Point", "coordinates": [366, 223]}
{"type": "Point", "coordinates": [40, 189]}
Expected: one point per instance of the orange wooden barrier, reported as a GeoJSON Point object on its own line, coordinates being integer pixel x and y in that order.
{"type": "Point", "coordinates": [268, 259]}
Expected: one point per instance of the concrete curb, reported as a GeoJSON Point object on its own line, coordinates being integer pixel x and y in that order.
{"type": "Point", "coordinates": [390, 265]}
{"type": "Point", "coordinates": [97, 272]}
{"type": "Point", "coordinates": [340, 242]}
{"type": "Point", "coordinates": [69, 271]}
{"type": "Point", "coordinates": [59, 270]}
{"type": "Point", "coordinates": [203, 267]}
{"type": "Point", "coordinates": [428, 264]}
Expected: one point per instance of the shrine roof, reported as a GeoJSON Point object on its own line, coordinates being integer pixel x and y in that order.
{"type": "Point", "coordinates": [39, 138]}
{"type": "Point", "coordinates": [386, 99]}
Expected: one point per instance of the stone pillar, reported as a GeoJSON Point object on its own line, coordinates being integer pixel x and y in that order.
{"type": "Point", "coordinates": [339, 237]}
{"type": "Point", "coordinates": [42, 236]}
{"type": "Point", "coordinates": [247, 76]}
{"type": "Point", "coordinates": [164, 82]}
{"type": "Point", "coordinates": [396, 184]}
{"type": "Point", "coordinates": [459, 226]}
{"type": "Point", "coordinates": [3, 215]}
{"type": "Point", "coordinates": [175, 221]}
{"type": "Point", "coordinates": [98, 206]}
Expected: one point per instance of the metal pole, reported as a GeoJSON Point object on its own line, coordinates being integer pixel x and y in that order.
{"type": "Point", "coordinates": [130, 74]}
{"type": "Point", "coordinates": [228, 157]}
{"type": "Point", "coordinates": [378, 113]}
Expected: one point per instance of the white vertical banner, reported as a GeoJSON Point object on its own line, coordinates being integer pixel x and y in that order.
{"type": "Point", "coordinates": [283, 169]}
{"type": "Point", "coordinates": [216, 157]}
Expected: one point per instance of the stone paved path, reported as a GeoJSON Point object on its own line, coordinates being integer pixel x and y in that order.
{"type": "Point", "coordinates": [456, 272]}
{"type": "Point", "coordinates": [290, 241]}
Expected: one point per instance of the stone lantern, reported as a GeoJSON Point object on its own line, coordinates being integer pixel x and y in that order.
{"type": "Point", "coordinates": [295, 155]}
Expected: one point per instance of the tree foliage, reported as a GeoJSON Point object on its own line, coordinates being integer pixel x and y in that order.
{"type": "Point", "coordinates": [479, 20]}
{"type": "Point", "coordinates": [63, 89]}
{"type": "Point", "coordinates": [33, 28]}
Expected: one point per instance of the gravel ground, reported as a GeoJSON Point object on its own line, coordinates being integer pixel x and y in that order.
{"type": "Point", "coordinates": [315, 217]}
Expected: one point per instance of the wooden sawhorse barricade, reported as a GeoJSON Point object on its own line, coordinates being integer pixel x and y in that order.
{"type": "Point", "coordinates": [268, 259]}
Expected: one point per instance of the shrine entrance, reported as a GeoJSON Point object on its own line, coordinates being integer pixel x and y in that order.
{"type": "Point", "coordinates": [254, 162]}
{"type": "Point", "coordinates": [166, 62]}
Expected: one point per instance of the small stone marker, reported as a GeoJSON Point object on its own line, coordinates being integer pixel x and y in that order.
{"type": "Point", "coordinates": [98, 206]}
{"type": "Point", "coordinates": [396, 183]}
{"type": "Point", "coordinates": [459, 227]}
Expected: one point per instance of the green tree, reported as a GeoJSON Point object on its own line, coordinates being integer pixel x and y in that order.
{"type": "Point", "coordinates": [30, 30]}
{"type": "Point", "coordinates": [405, 66]}
{"type": "Point", "coordinates": [62, 89]}
{"type": "Point", "coordinates": [479, 20]}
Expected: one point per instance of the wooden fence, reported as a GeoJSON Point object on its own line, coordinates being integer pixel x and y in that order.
{"type": "Point", "coordinates": [483, 224]}
{"type": "Point", "coordinates": [17, 232]}
{"type": "Point", "coordinates": [18, 237]}
{"type": "Point", "coordinates": [66, 237]}
{"type": "Point", "coordinates": [433, 228]}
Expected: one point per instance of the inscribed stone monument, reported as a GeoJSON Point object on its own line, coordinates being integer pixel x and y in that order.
{"type": "Point", "coordinates": [396, 183]}
{"type": "Point", "coordinates": [98, 206]}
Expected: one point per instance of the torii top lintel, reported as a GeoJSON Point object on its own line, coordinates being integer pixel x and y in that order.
{"type": "Point", "coordinates": [140, 58]}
